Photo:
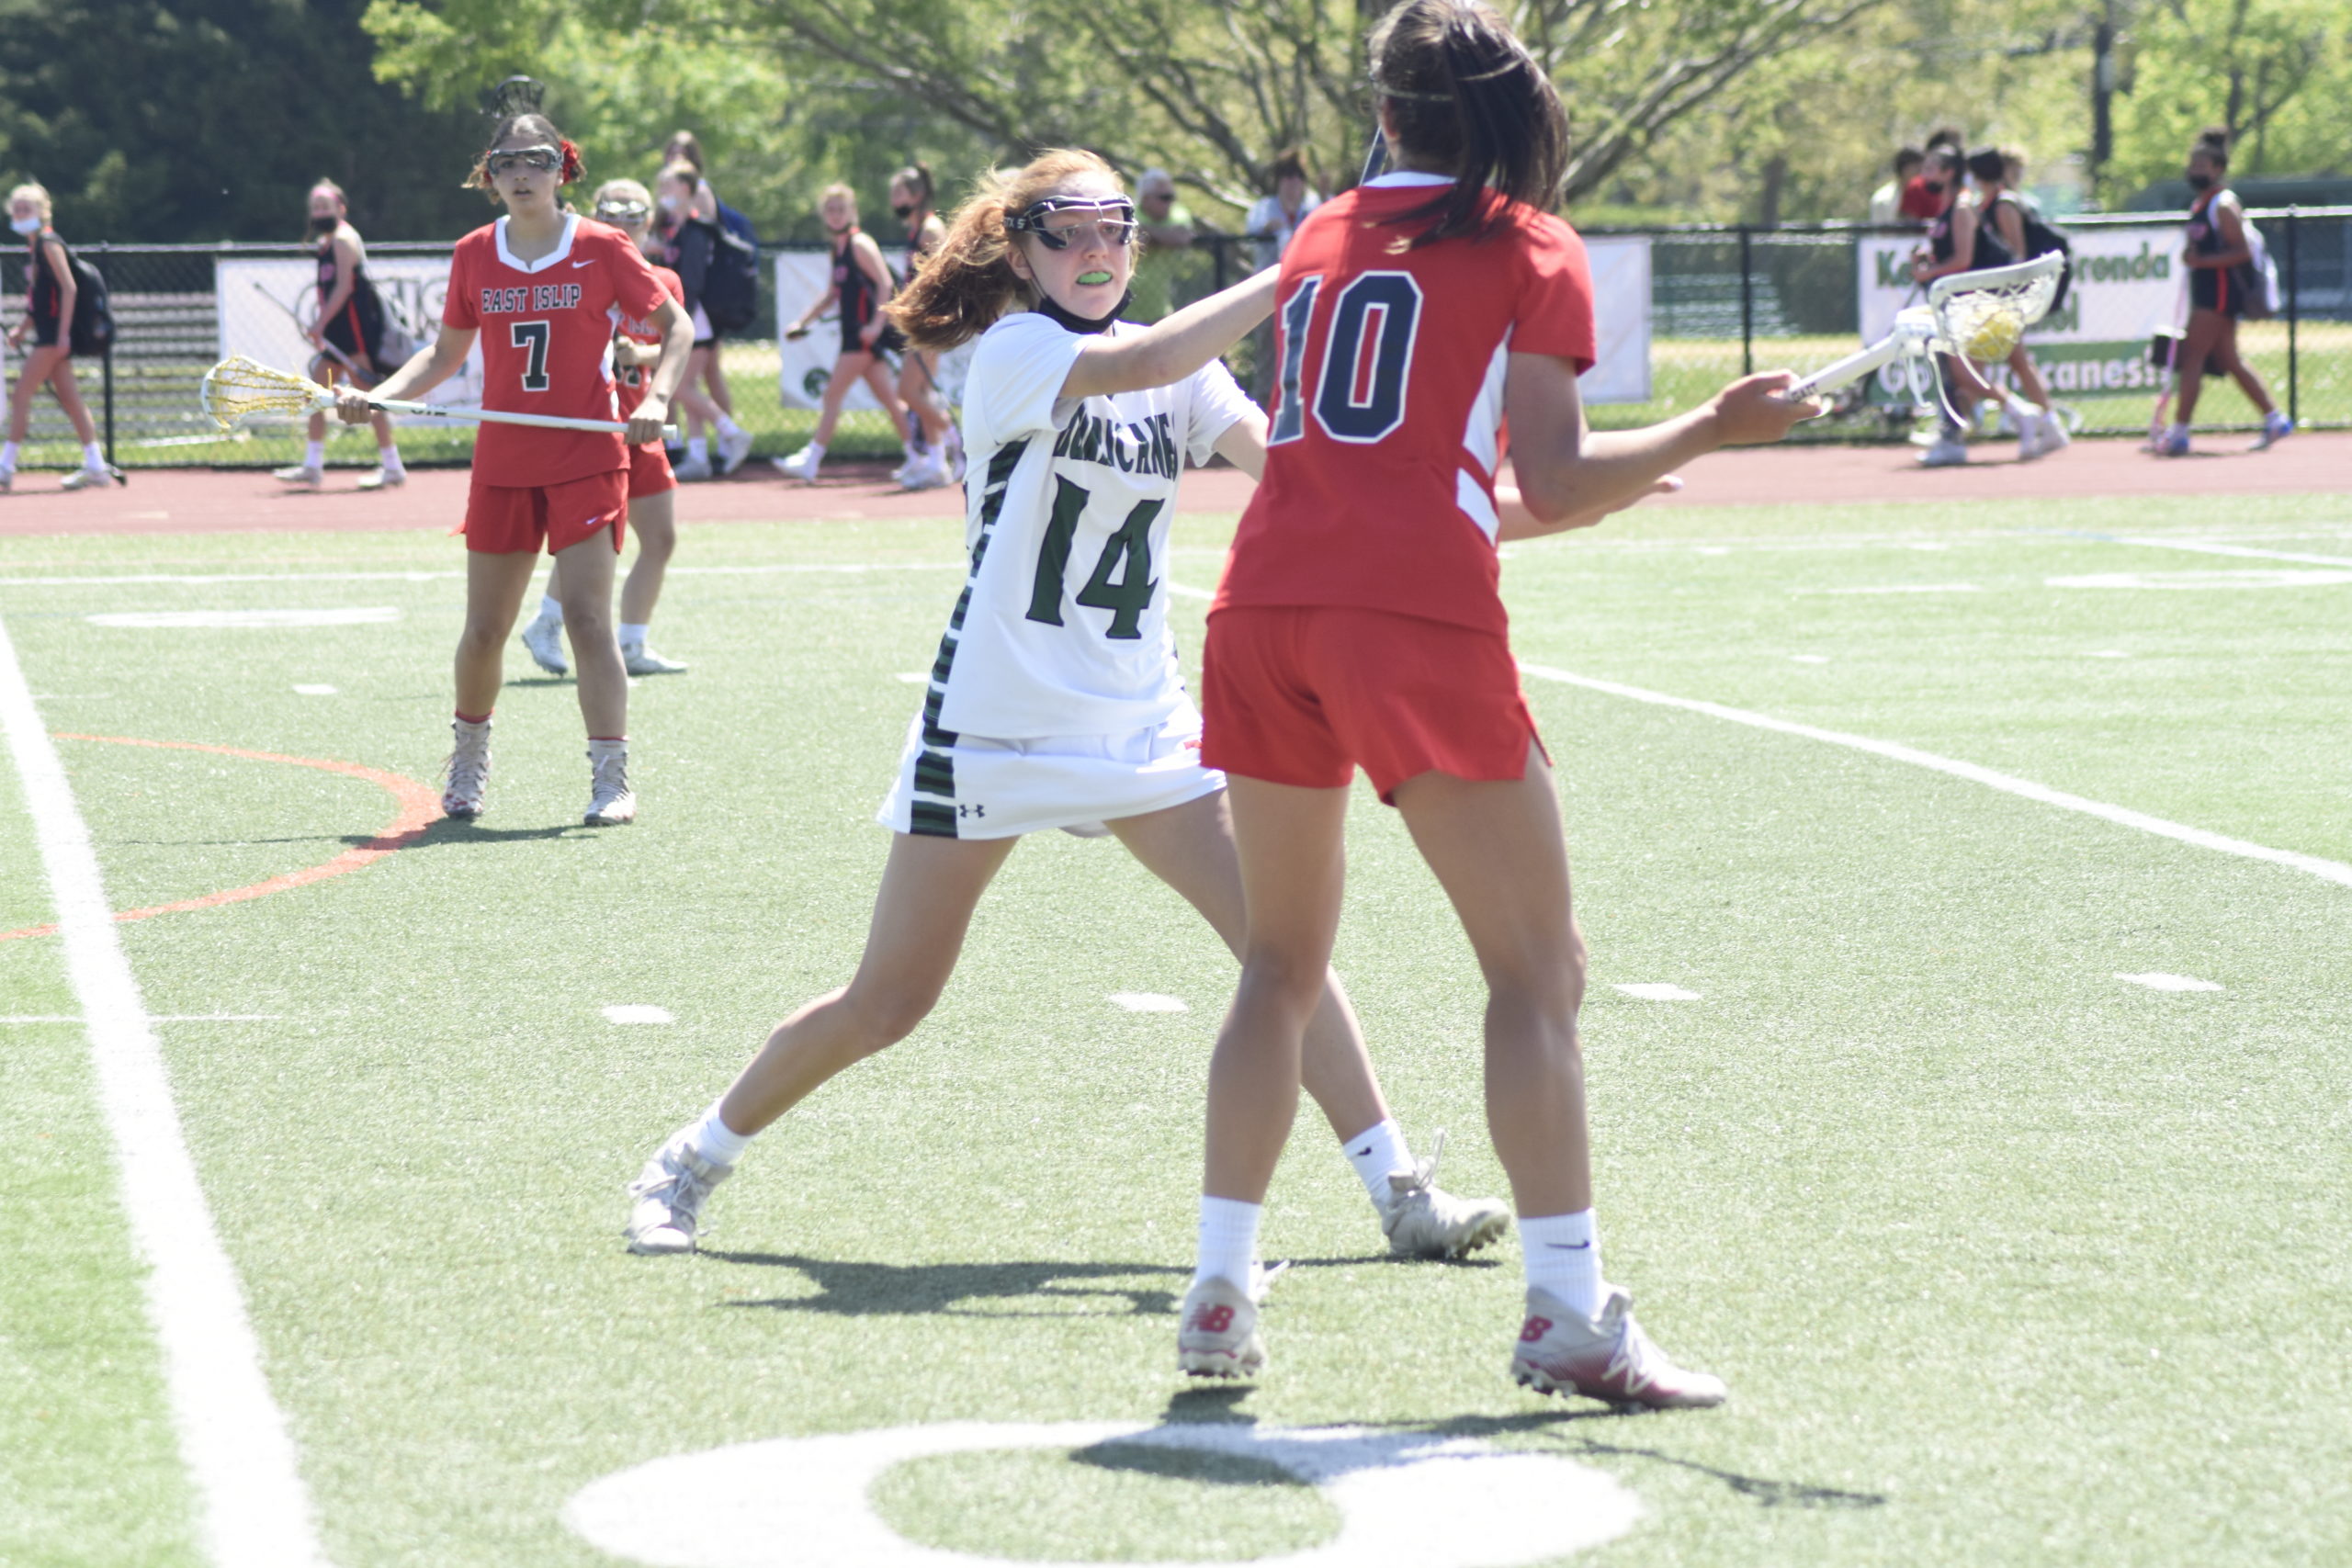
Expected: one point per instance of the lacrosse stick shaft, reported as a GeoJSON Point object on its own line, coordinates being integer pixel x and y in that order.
{"type": "Point", "coordinates": [1853, 368]}
{"type": "Point", "coordinates": [341, 358]}
{"type": "Point", "coordinates": [500, 416]}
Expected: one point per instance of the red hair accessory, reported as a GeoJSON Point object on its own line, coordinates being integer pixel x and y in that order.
{"type": "Point", "coordinates": [571, 161]}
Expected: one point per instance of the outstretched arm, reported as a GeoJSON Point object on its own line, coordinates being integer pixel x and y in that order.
{"type": "Point", "coordinates": [1169, 350]}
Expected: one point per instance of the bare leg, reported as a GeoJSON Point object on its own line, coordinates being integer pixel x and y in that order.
{"type": "Point", "coordinates": [2226, 351]}
{"type": "Point", "coordinates": [2027, 379]}
{"type": "Point", "coordinates": [713, 376]}
{"type": "Point", "coordinates": [929, 890]}
{"type": "Point", "coordinates": [1499, 851]}
{"type": "Point", "coordinates": [39, 363]}
{"type": "Point", "coordinates": [587, 600]}
{"type": "Point", "coordinates": [2204, 331]}
{"type": "Point", "coordinates": [878, 381]}
{"type": "Point", "coordinates": [848, 370]}
{"type": "Point", "coordinates": [920, 392]}
{"type": "Point", "coordinates": [1293, 864]}
{"type": "Point", "coordinates": [1190, 847]}
{"type": "Point", "coordinates": [494, 586]}
{"type": "Point", "coordinates": [653, 519]}
{"type": "Point", "coordinates": [69, 398]}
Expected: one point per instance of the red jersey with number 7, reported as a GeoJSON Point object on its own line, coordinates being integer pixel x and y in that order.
{"type": "Point", "coordinates": [1386, 427]}
{"type": "Point", "coordinates": [547, 331]}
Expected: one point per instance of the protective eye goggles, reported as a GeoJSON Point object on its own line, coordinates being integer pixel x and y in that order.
{"type": "Point", "coordinates": [546, 160]}
{"type": "Point", "coordinates": [622, 214]}
{"type": "Point", "coordinates": [1115, 226]}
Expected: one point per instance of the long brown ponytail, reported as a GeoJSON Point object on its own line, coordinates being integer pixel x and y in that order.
{"type": "Point", "coordinates": [1466, 97]}
{"type": "Point", "coordinates": [965, 282]}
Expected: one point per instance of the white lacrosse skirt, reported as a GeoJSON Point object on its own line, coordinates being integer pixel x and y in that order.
{"type": "Point", "coordinates": [979, 788]}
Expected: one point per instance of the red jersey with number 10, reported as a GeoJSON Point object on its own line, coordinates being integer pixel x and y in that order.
{"type": "Point", "coordinates": [547, 331]}
{"type": "Point", "coordinates": [1381, 452]}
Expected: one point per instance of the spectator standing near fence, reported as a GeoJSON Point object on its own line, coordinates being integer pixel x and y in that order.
{"type": "Point", "coordinates": [1272, 221]}
{"type": "Point", "coordinates": [685, 147]}
{"type": "Point", "coordinates": [938, 455]}
{"type": "Point", "coordinates": [2220, 258]}
{"type": "Point", "coordinates": [1886, 202]}
{"type": "Point", "coordinates": [2000, 215]}
{"type": "Point", "coordinates": [351, 320]}
{"type": "Point", "coordinates": [1164, 232]}
{"type": "Point", "coordinates": [690, 248]}
{"type": "Point", "coordinates": [56, 315]}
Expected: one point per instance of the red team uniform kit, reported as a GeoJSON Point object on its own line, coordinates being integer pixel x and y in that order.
{"type": "Point", "coordinates": [546, 329]}
{"type": "Point", "coordinates": [1360, 620]}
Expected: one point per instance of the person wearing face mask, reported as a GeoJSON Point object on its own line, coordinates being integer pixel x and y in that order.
{"type": "Point", "coordinates": [1956, 243]}
{"type": "Point", "coordinates": [863, 284]}
{"type": "Point", "coordinates": [2000, 216]}
{"type": "Point", "coordinates": [685, 147]}
{"type": "Point", "coordinates": [53, 320]}
{"type": "Point", "coordinates": [2216, 250]}
{"type": "Point", "coordinates": [351, 319]}
{"type": "Point", "coordinates": [939, 457]}
{"type": "Point", "coordinates": [690, 245]}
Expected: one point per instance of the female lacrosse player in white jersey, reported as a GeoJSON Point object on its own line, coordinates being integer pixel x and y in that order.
{"type": "Point", "coordinates": [539, 288]}
{"type": "Point", "coordinates": [1359, 623]}
{"type": "Point", "coordinates": [1055, 700]}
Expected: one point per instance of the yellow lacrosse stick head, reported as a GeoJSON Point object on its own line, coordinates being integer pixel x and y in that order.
{"type": "Point", "coordinates": [237, 389]}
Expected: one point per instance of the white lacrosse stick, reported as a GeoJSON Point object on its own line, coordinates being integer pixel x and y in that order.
{"type": "Point", "coordinates": [1980, 316]}
{"type": "Point", "coordinates": [237, 389]}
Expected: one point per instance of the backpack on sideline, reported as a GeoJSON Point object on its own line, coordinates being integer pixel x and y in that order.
{"type": "Point", "coordinates": [92, 331]}
{"type": "Point", "coordinates": [2041, 237]}
{"type": "Point", "coordinates": [730, 290]}
{"type": "Point", "coordinates": [2256, 278]}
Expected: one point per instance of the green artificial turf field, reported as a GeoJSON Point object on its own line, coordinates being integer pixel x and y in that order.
{"type": "Point", "coordinates": [2006, 1259]}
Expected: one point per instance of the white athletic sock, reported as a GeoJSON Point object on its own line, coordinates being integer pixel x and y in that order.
{"type": "Point", "coordinates": [1564, 1256]}
{"type": "Point", "coordinates": [314, 456]}
{"type": "Point", "coordinates": [1229, 1240]}
{"type": "Point", "coordinates": [2023, 412]}
{"type": "Point", "coordinates": [93, 455]}
{"type": "Point", "coordinates": [389, 457]}
{"type": "Point", "coordinates": [714, 1140]}
{"type": "Point", "coordinates": [2177, 432]}
{"type": "Point", "coordinates": [698, 449]}
{"type": "Point", "coordinates": [551, 607]}
{"type": "Point", "coordinates": [1375, 1152]}
{"type": "Point", "coordinates": [8, 455]}
{"type": "Point", "coordinates": [816, 451]}
{"type": "Point", "coordinates": [728, 427]}
{"type": "Point", "coordinates": [632, 632]}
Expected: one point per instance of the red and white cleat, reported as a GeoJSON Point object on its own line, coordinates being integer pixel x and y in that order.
{"type": "Point", "coordinates": [1605, 1358]}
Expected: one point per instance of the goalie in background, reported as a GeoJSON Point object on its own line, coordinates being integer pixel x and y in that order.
{"type": "Point", "coordinates": [55, 317]}
{"type": "Point", "coordinates": [351, 322]}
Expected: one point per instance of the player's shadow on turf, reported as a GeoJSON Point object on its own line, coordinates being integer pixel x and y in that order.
{"type": "Point", "coordinates": [456, 830]}
{"type": "Point", "coordinates": [1769, 1492]}
{"type": "Point", "coordinates": [896, 1290]}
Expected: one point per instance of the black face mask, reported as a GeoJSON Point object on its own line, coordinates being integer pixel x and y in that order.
{"type": "Point", "coordinates": [1078, 324]}
{"type": "Point", "coordinates": [324, 225]}
{"type": "Point", "coordinates": [903, 210]}
{"type": "Point", "coordinates": [2200, 182]}
{"type": "Point", "coordinates": [1935, 188]}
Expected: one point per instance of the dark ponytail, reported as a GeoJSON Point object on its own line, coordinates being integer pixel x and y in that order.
{"type": "Point", "coordinates": [2214, 142]}
{"type": "Point", "coordinates": [1466, 97]}
{"type": "Point", "coordinates": [1987, 165]}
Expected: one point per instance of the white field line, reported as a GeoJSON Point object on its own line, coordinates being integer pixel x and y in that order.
{"type": "Point", "coordinates": [2326, 870]}
{"type": "Point", "coordinates": [1182, 591]}
{"type": "Point", "coordinates": [2203, 548]}
{"type": "Point", "coordinates": [254, 1512]}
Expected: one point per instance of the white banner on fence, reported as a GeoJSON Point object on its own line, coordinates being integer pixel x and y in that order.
{"type": "Point", "coordinates": [1621, 303]}
{"type": "Point", "coordinates": [2127, 282]}
{"type": "Point", "coordinates": [804, 366]}
{"type": "Point", "coordinates": [1621, 282]}
{"type": "Point", "coordinates": [411, 287]}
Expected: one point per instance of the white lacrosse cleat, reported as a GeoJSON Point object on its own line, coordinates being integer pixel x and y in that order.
{"type": "Point", "coordinates": [380, 478]}
{"type": "Point", "coordinates": [2276, 427]}
{"type": "Point", "coordinates": [926, 472]}
{"type": "Point", "coordinates": [611, 803]}
{"type": "Point", "coordinates": [801, 466]}
{"type": "Point", "coordinates": [1949, 452]}
{"type": "Point", "coordinates": [90, 478]}
{"type": "Point", "coordinates": [1608, 1357]}
{"type": "Point", "coordinates": [468, 769]}
{"type": "Point", "coordinates": [639, 658]}
{"type": "Point", "coordinates": [1422, 1220]}
{"type": "Point", "coordinates": [669, 1192]}
{"type": "Point", "coordinates": [2043, 436]}
{"type": "Point", "coordinates": [302, 476]}
{"type": "Point", "coordinates": [544, 638]}
{"type": "Point", "coordinates": [1218, 1332]}
{"type": "Point", "coordinates": [732, 450]}
{"type": "Point", "coordinates": [691, 471]}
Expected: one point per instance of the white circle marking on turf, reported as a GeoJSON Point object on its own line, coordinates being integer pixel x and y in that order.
{"type": "Point", "coordinates": [1406, 1499]}
{"type": "Point", "coordinates": [2258, 577]}
{"type": "Point", "coordinates": [2159, 982]}
{"type": "Point", "coordinates": [2107, 653]}
{"type": "Point", "coordinates": [1809, 658]}
{"type": "Point", "coordinates": [1658, 991]}
{"type": "Point", "coordinates": [314, 690]}
{"type": "Point", "coordinates": [1148, 1001]}
{"type": "Point", "coordinates": [187, 620]}
{"type": "Point", "coordinates": [639, 1012]}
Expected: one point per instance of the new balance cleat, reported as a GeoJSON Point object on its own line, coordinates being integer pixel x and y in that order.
{"type": "Point", "coordinates": [1422, 1220]}
{"type": "Point", "coordinates": [544, 638]}
{"type": "Point", "coordinates": [611, 803]}
{"type": "Point", "coordinates": [668, 1194]}
{"type": "Point", "coordinates": [1560, 1351]}
{"type": "Point", "coordinates": [302, 476]}
{"type": "Point", "coordinates": [639, 658]}
{"type": "Point", "coordinates": [468, 769]}
{"type": "Point", "coordinates": [1218, 1336]}
{"type": "Point", "coordinates": [732, 450]}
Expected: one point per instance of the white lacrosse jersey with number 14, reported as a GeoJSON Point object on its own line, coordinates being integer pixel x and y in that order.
{"type": "Point", "coordinates": [1062, 628]}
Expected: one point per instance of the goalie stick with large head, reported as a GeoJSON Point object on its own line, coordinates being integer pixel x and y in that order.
{"type": "Point", "coordinates": [1978, 316]}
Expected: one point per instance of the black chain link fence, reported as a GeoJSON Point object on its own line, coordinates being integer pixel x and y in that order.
{"type": "Point", "coordinates": [1724, 300]}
